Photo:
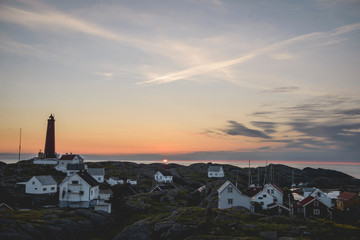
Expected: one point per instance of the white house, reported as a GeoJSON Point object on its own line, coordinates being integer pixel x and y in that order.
{"type": "Point", "coordinates": [216, 171]}
{"type": "Point", "coordinates": [268, 195]}
{"type": "Point", "coordinates": [105, 194]}
{"type": "Point", "coordinates": [229, 196]}
{"type": "Point", "coordinates": [97, 173]}
{"type": "Point", "coordinates": [79, 190]}
{"type": "Point", "coordinates": [72, 168]}
{"type": "Point", "coordinates": [131, 182]}
{"type": "Point", "coordinates": [114, 181]}
{"type": "Point", "coordinates": [163, 177]}
{"type": "Point", "coordinates": [320, 195]}
{"type": "Point", "coordinates": [41, 185]}
{"type": "Point", "coordinates": [66, 159]}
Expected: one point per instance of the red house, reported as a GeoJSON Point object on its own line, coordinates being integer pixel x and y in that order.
{"type": "Point", "coordinates": [347, 201]}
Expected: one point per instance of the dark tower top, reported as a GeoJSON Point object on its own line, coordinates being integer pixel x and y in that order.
{"type": "Point", "coordinates": [50, 138]}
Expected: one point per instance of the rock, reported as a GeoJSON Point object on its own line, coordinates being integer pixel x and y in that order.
{"type": "Point", "coordinates": [141, 230]}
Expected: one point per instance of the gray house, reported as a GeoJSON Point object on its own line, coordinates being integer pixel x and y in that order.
{"type": "Point", "coordinates": [230, 196]}
{"type": "Point", "coordinates": [216, 171]}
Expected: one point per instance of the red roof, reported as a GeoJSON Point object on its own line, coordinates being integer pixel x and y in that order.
{"type": "Point", "coordinates": [68, 157]}
{"type": "Point", "coordinates": [346, 196]}
{"type": "Point", "coordinates": [307, 200]}
{"type": "Point", "coordinates": [272, 184]}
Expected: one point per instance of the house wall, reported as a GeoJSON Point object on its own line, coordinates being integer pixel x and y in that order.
{"type": "Point", "coordinates": [273, 191]}
{"type": "Point", "coordinates": [348, 205]}
{"type": "Point", "coordinates": [216, 174]}
{"type": "Point", "coordinates": [33, 186]}
{"type": "Point", "coordinates": [309, 210]}
{"type": "Point", "coordinates": [99, 178]}
{"type": "Point", "coordinates": [77, 192]}
{"type": "Point", "coordinates": [264, 198]}
{"type": "Point", "coordinates": [159, 177]}
{"type": "Point", "coordinates": [238, 199]}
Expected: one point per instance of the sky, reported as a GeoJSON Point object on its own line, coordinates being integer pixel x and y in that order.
{"type": "Point", "coordinates": [186, 79]}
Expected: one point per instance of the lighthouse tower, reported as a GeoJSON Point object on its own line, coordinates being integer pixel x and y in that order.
{"type": "Point", "coordinates": [50, 138]}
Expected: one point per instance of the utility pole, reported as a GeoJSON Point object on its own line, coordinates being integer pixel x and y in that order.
{"type": "Point", "coordinates": [18, 167]}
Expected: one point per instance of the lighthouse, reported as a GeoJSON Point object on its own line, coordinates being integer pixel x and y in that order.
{"type": "Point", "coordinates": [50, 138]}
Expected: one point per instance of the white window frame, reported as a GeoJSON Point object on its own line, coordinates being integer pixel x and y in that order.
{"type": "Point", "coordinates": [316, 211]}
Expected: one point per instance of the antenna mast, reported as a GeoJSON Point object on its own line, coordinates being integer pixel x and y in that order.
{"type": "Point", "coordinates": [19, 153]}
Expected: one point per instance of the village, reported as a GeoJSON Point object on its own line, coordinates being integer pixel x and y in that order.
{"type": "Point", "coordinates": [73, 183]}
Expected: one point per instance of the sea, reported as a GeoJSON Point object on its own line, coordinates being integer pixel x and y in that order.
{"type": "Point", "coordinates": [350, 168]}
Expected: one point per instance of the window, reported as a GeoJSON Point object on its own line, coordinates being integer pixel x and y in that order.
{"type": "Point", "coordinates": [215, 174]}
{"type": "Point", "coordinates": [230, 201]}
{"type": "Point", "coordinates": [316, 203]}
{"type": "Point", "coordinates": [272, 191]}
{"type": "Point", "coordinates": [260, 197]}
{"type": "Point", "coordinates": [52, 188]}
{"type": "Point", "coordinates": [319, 194]}
{"type": "Point", "coordinates": [210, 174]}
{"type": "Point", "coordinates": [264, 195]}
{"type": "Point", "coordinates": [35, 188]}
{"type": "Point", "coordinates": [69, 191]}
{"type": "Point", "coordinates": [230, 189]}
{"type": "Point", "coordinates": [33, 183]}
{"type": "Point", "coordinates": [316, 211]}
{"type": "Point", "coordinates": [75, 182]}
{"type": "Point", "coordinates": [44, 189]}
{"type": "Point", "coordinates": [81, 193]}
{"type": "Point", "coordinates": [91, 193]}
{"type": "Point", "coordinates": [99, 178]}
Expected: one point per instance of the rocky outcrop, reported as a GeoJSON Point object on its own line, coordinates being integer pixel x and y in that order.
{"type": "Point", "coordinates": [53, 224]}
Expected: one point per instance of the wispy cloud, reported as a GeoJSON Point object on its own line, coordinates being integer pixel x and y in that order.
{"type": "Point", "coordinates": [107, 75]}
{"type": "Point", "coordinates": [281, 89]}
{"type": "Point", "coordinates": [237, 129]}
{"type": "Point", "coordinates": [202, 69]}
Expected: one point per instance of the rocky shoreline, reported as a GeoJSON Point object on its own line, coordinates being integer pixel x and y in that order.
{"type": "Point", "coordinates": [183, 213]}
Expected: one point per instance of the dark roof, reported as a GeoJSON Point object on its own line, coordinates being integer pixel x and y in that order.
{"type": "Point", "coordinates": [346, 196]}
{"type": "Point", "coordinates": [88, 178]}
{"type": "Point", "coordinates": [69, 156]}
{"type": "Point", "coordinates": [214, 168]}
{"type": "Point", "coordinates": [306, 201]}
{"type": "Point", "coordinates": [96, 171]}
{"type": "Point", "coordinates": [75, 166]}
{"type": "Point", "coordinates": [165, 173]}
{"type": "Point", "coordinates": [46, 180]}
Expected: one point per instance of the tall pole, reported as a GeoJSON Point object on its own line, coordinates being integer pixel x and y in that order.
{"type": "Point", "coordinates": [18, 170]}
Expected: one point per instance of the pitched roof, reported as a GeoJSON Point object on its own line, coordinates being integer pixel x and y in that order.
{"type": "Point", "coordinates": [88, 178]}
{"type": "Point", "coordinates": [226, 184]}
{"type": "Point", "coordinates": [214, 168]}
{"type": "Point", "coordinates": [164, 173]}
{"type": "Point", "coordinates": [70, 156]}
{"type": "Point", "coordinates": [46, 180]}
{"type": "Point", "coordinates": [346, 196]}
{"type": "Point", "coordinates": [306, 201]}
{"type": "Point", "coordinates": [75, 166]}
{"type": "Point", "coordinates": [275, 186]}
{"type": "Point", "coordinates": [96, 171]}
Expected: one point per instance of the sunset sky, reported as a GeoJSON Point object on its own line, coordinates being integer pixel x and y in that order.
{"type": "Point", "coordinates": [192, 79]}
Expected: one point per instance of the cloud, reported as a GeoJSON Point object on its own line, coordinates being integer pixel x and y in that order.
{"type": "Point", "coordinates": [105, 74]}
{"type": "Point", "coordinates": [281, 89]}
{"type": "Point", "coordinates": [282, 56]}
{"type": "Point", "coordinates": [237, 129]}
{"type": "Point", "coordinates": [315, 124]}
{"type": "Point", "coordinates": [202, 69]}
